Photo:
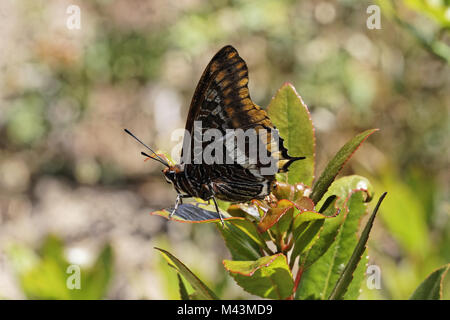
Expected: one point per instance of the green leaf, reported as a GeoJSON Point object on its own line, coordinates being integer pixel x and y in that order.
{"type": "Point", "coordinates": [319, 279]}
{"type": "Point", "coordinates": [95, 281]}
{"type": "Point", "coordinates": [45, 276]}
{"type": "Point", "coordinates": [354, 289]}
{"type": "Point", "coordinates": [307, 225]}
{"type": "Point", "coordinates": [201, 290]}
{"type": "Point", "coordinates": [304, 204]}
{"type": "Point", "coordinates": [293, 192]}
{"type": "Point", "coordinates": [284, 223]}
{"type": "Point", "coordinates": [343, 188]}
{"type": "Point", "coordinates": [242, 239]}
{"type": "Point", "coordinates": [46, 281]}
{"type": "Point", "coordinates": [304, 236]}
{"type": "Point", "coordinates": [347, 275]}
{"type": "Point", "coordinates": [245, 210]}
{"type": "Point", "coordinates": [183, 292]}
{"type": "Point", "coordinates": [273, 215]}
{"type": "Point", "coordinates": [291, 116]}
{"type": "Point", "coordinates": [336, 164]}
{"type": "Point", "coordinates": [326, 235]}
{"type": "Point", "coordinates": [436, 11]}
{"type": "Point", "coordinates": [41, 276]}
{"type": "Point", "coordinates": [53, 247]}
{"type": "Point", "coordinates": [22, 259]}
{"type": "Point", "coordinates": [223, 205]}
{"type": "Point", "coordinates": [169, 280]}
{"type": "Point", "coordinates": [431, 287]}
{"type": "Point", "coordinates": [267, 277]}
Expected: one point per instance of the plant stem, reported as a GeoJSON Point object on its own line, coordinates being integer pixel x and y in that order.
{"type": "Point", "coordinates": [298, 277]}
{"type": "Point", "coordinates": [286, 247]}
{"type": "Point", "coordinates": [274, 240]}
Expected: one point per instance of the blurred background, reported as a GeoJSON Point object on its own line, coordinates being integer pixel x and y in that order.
{"type": "Point", "coordinates": [74, 189]}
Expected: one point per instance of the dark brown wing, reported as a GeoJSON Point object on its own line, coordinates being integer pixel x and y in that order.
{"type": "Point", "coordinates": [222, 101]}
{"type": "Point", "coordinates": [223, 83]}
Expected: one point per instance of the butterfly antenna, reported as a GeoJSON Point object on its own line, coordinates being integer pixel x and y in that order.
{"type": "Point", "coordinates": [146, 155]}
{"type": "Point", "coordinates": [159, 159]}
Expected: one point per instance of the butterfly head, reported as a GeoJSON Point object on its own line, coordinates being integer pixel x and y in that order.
{"type": "Point", "coordinates": [171, 172]}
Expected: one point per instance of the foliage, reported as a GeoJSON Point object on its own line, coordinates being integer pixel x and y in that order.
{"type": "Point", "coordinates": [201, 290]}
{"type": "Point", "coordinates": [46, 274]}
{"type": "Point", "coordinates": [431, 287]}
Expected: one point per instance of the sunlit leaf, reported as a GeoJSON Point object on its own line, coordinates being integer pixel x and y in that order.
{"type": "Point", "coordinates": [95, 281]}
{"type": "Point", "coordinates": [291, 192]}
{"type": "Point", "coordinates": [319, 279]}
{"type": "Point", "coordinates": [46, 276]}
{"type": "Point", "coordinates": [267, 277]}
{"type": "Point", "coordinates": [242, 239]}
{"type": "Point", "coordinates": [273, 215]}
{"type": "Point", "coordinates": [431, 287]}
{"type": "Point", "coordinates": [343, 188]}
{"type": "Point", "coordinates": [308, 224]}
{"type": "Point", "coordinates": [326, 235]}
{"type": "Point", "coordinates": [200, 288]}
{"type": "Point", "coordinates": [346, 277]}
{"type": "Point", "coordinates": [336, 164]}
{"type": "Point", "coordinates": [182, 288]}
{"type": "Point", "coordinates": [292, 118]}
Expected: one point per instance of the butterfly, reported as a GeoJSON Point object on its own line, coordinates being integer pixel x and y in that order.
{"type": "Point", "coordinates": [222, 102]}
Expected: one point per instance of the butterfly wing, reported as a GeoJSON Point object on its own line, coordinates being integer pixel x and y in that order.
{"type": "Point", "coordinates": [222, 101]}
{"type": "Point", "coordinates": [222, 85]}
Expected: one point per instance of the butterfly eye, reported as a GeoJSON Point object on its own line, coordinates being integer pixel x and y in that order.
{"type": "Point", "coordinates": [170, 176]}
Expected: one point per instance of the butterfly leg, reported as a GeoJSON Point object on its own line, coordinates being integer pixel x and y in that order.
{"type": "Point", "coordinates": [218, 212]}
{"type": "Point", "coordinates": [198, 204]}
{"type": "Point", "coordinates": [178, 202]}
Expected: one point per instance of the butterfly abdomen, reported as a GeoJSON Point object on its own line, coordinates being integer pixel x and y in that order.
{"type": "Point", "coordinates": [240, 185]}
{"type": "Point", "coordinates": [190, 181]}
{"type": "Point", "coordinates": [228, 182]}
